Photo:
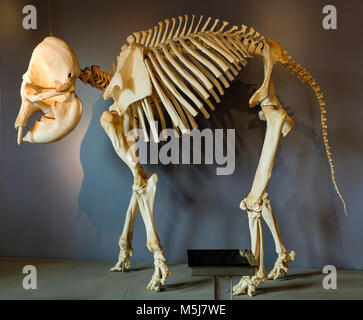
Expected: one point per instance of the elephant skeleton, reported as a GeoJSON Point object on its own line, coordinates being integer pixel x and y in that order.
{"type": "Point", "coordinates": [168, 73]}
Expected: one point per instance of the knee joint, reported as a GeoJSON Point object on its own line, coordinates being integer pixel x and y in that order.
{"type": "Point", "coordinates": [254, 208]}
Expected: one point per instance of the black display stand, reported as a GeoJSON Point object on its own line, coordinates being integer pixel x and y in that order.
{"type": "Point", "coordinates": [222, 265]}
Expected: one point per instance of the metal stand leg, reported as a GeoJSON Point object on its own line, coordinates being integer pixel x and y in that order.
{"type": "Point", "coordinates": [284, 276]}
{"type": "Point", "coordinates": [222, 288]}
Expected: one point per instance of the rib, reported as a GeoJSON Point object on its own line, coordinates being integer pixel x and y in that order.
{"type": "Point", "coordinates": [203, 110]}
{"type": "Point", "coordinates": [135, 122]}
{"type": "Point", "coordinates": [238, 46]}
{"type": "Point", "coordinates": [211, 78]}
{"type": "Point", "coordinates": [211, 40]}
{"type": "Point", "coordinates": [191, 119]}
{"type": "Point", "coordinates": [170, 86]}
{"type": "Point", "coordinates": [161, 115]}
{"type": "Point", "coordinates": [190, 66]}
{"type": "Point", "coordinates": [167, 104]}
{"type": "Point", "coordinates": [209, 53]}
{"type": "Point", "coordinates": [183, 72]}
{"type": "Point", "coordinates": [150, 117]}
{"type": "Point", "coordinates": [142, 121]}
{"type": "Point", "coordinates": [185, 128]}
{"type": "Point", "coordinates": [203, 60]}
{"type": "Point", "coordinates": [230, 65]}
{"type": "Point", "coordinates": [227, 47]}
{"type": "Point", "coordinates": [174, 77]}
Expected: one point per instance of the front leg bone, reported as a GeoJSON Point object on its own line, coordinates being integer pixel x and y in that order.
{"type": "Point", "coordinates": [142, 200]}
{"type": "Point", "coordinates": [161, 271]}
{"type": "Point", "coordinates": [145, 198]}
{"type": "Point", "coordinates": [123, 262]}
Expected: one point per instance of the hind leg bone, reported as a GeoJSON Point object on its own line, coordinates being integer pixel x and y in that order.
{"type": "Point", "coordinates": [257, 198]}
{"type": "Point", "coordinates": [283, 257]}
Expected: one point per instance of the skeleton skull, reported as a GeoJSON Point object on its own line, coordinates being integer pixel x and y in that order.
{"type": "Point", "coordinates": [48, 86]}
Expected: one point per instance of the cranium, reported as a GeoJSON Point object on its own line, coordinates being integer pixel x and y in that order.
{"type": "Point", "coordinates": [49, 87]}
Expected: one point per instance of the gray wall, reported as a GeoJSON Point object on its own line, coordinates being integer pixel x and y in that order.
{"type": "Point", "coordinates": [68, 199]}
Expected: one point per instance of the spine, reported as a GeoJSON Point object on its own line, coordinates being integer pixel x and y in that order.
{"type": "Point", "coordinates": [305, 76]}
{"type": "Point", "coordinates": [95, 77]}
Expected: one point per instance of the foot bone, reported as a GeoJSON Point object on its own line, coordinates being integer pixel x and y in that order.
{"type": "Point", "coordinates": [248, 285]}
{"type": "Point", "coordinates": [123, 262]}
{"type": "Point", "coordinates": [160, 274]}
{"type": "Point", "coordinates": [281, 264]}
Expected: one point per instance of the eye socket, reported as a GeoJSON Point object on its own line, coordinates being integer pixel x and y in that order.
{"type": "Point", "coordinates": [69, 75]}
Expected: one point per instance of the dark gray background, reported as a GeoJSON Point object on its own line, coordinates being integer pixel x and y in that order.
{"type": "Point", "coordinates": [68, 199]}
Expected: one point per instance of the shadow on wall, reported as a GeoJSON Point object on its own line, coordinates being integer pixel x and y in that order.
{"type": "Point", "coordinates": [107, 182]}
{"type": "Point", "coordinates": [194, 207]}
{"type": "Point", "coordinates": [202, 202]}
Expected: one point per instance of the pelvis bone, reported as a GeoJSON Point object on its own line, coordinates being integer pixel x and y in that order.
{"type": "Point", "coordinates": [49, 87]}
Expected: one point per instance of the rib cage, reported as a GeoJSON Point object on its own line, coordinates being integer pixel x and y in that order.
{"type": "Point", "coordinates": [190, 64]}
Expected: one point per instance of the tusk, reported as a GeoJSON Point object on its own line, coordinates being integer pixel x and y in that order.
{"type": "Point", "coordinates": [20, 135]}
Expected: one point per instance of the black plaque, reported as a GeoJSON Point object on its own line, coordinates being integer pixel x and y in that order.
{"type": "Point", "coordinates": [232, 262]}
